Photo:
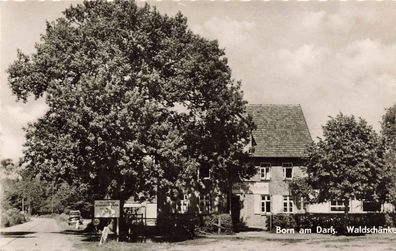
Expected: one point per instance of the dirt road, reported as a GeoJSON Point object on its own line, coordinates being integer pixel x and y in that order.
{"type": "Point", "coordinates": [39, 234]}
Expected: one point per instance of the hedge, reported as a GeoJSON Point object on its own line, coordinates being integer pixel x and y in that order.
{"type": "Point", "coordinates": [178, 226]}
{"type": "Point", "coordinates": [210, 223]}
{"type": "Point", "coordinates": [185, 226]}
{"type": "Point", "coordinates": [338, 221]}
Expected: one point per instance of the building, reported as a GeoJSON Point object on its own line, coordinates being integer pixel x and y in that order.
{"type": "Point", "coordinates": [277, 148]}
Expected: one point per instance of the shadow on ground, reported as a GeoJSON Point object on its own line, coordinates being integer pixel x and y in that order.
{"type": "Point", "coordinates": [137, 235]}
{"type": "Point", "coordinates": [17, 234]}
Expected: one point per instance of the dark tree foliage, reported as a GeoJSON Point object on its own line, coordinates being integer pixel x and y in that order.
{"type": "Point", "coordinates": [137, 103]}
{"type": "Point", "coordinates": [388, 127]}
{"type": "Point", "coordinates": [388, 131]}
{"type": "Point", "coordinates": [347, 163]}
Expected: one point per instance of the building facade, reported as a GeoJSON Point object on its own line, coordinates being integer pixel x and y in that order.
{"type": "Point", "coordinates": [277, 150]}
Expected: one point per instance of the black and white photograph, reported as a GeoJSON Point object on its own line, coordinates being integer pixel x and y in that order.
{"type": "Point", "coordinates": [197, 125]}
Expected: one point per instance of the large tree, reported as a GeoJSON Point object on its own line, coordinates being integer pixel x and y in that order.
{"type": "Point", "coordinates": [137, 103]}
{"type": "Point", "coordinates": [347, 163]}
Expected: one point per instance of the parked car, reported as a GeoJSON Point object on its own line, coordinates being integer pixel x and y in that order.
{"type": "Point", "coordinates": [74, 216]}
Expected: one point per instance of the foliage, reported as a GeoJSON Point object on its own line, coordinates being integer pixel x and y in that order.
{"type": "Point", "coordinates": [338, 221]}
{"type": "Point", "coordinates": [388, 127]}
{"type": "Point", "coordinates": [64, 197]}
{"type": "Point", "coordinates": [347, 162]}
{"type": "Point", "coordinates": [341, 221]}
{"type": "Point", "coordinates": [18, 188]}
{"type": "Point", "coordinates": [8, 170]}
{"type": "Point", "coordinates": [300, 187]}
{"type": "Point", "coordinates": [178, 227]}
{"type": "Point", "coordinates": [137, 103]}
{"type": "Point", "coordinates": [39, 196]}
{"type": "Point", "coordinates": [12, 217]}
{"type": "Point", "coordinates": [210, 223]}
{"type": "Point", "coordinates": [284, 221]}
{"type": "Point", "coordinates": [388, 131]}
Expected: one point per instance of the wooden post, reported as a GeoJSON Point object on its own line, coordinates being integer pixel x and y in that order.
{"type": "Point", "coordinates": [52, 198]}
{"type": "Point", "coordinates": [118, 228]}
{"type": "Point", "coordinates": [219, 225]}
{"type": "Point", "coordinates": [104, 236]}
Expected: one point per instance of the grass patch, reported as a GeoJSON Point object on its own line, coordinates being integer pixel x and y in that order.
{"type": "Point", "coordinates": [121, 246]}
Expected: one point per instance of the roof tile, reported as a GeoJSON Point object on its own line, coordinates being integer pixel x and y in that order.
{"type": "Point", "coordinates": [281, 130]}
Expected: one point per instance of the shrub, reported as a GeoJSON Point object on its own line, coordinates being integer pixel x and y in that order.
{"type": "Point", "coordinates": [283, 221]}
{"type": "Point", "coordinates": [178, 226]}
{"type": "Point", "coordinates": [210, 223]}
{"type": "Point", "coordinates": [63, 217]}
{"type": "Point", "coordinates": [388, 220]}
{"type": "Point", "coordinates": [338, 221]}
{"type": "Point", "coordinates": [12, 217]}
{"type": "Point", "coordinates": [341, 221]}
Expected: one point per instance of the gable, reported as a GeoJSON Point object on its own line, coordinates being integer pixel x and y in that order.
{"type": "Point", "coordinates": [281, 130]}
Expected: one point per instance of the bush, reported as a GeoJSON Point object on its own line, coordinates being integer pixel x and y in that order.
{"type": "Point", "coordinates": [388, 220]}
{"type": "Point", "coordinates": [283, 221]}
{"type": "Point", "coordinates": [63, 217]}
{"type": "Point", "coordinates": [12, 217]}
{"type": "Point", "coordinates": [338, 221]}
{"type": "Point", "coordinates": [178, 226]}
{"type": "Point", "coordinates": [341, 221]}
{"type": "Point", "coordinates": [210, 223]}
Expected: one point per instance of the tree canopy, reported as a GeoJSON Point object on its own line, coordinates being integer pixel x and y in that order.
{"type": "Point", "coordinates": [388, 130]}
{"type": "Point", "coordinates": [137, 102]}
{"type": "Point", "coordinates": [388, 127]}
{"type": "Point", "coordinates": [347, 163]}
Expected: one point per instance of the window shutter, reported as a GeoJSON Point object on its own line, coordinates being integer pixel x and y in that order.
{"type": "Point", "coordinates": [257, 203]}
{"type": "Point", "coordinates": [268, 173]}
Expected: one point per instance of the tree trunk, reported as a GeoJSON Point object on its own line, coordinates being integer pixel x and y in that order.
{"type": "Point", "coordinates": [346, 204]}
{"type": "Point", "coordinates": [121, 222]}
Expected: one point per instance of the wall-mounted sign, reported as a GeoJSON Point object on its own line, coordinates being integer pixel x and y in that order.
{"type": "Point", "coordinates": [107, 208]}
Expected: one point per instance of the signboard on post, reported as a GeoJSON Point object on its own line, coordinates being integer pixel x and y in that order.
{"type": "Point", "coordinates": [107, 208]}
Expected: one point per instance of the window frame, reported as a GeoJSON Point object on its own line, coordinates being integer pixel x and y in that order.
{"type": "Point", "coordinates": [265, 203]}
{"type": "Point", "coordinates": [288, 204]}
{"type": "Point", "coordinates": [265, 171]}
{"type": "Point", "coordinates": [204, 203]}
{"type": "Point", "coordinates": [209, 172]}
{"type": "Point", "coordinates": [183, 204]}
{"type": "Point", "coordinates": [338, 206]}
{"type": "Point", "coordinates": [287, 166]}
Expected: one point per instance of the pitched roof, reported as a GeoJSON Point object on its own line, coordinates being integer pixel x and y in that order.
{"type": "Point", "coordinates": [281, 130]}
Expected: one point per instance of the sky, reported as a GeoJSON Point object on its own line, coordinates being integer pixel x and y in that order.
{"type": "Point", "coordinates": [329, 57]}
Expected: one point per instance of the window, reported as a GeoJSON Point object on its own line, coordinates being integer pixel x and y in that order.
{"type": "Point", "coordinates": [265, 203]}
{"type": "Point", "coordinates": [204, 172]}
{"type": "Point", "coordinates": [287, 171]}
{"type": "Point", "coordinates": [204, 204]}
{"type": "Point", "coordinates": [265, 171]}
{"type": "Point", "coordinates": [182, 205]}
{"type": "Point", "coordinates": [301, 204]}
{"type": "Point", "coordinates": [337, 206]}
{"type": "Point", "coordinates": [371, 206]}
{"type": "Point", "coordinates": [287, 204]}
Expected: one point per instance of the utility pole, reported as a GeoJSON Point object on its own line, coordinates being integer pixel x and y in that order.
{"type": "Point", "coordinates": [52, 198]}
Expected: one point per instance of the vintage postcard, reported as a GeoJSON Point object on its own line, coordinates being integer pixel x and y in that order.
{"type": "Point", "coordinates": [198, 125]}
